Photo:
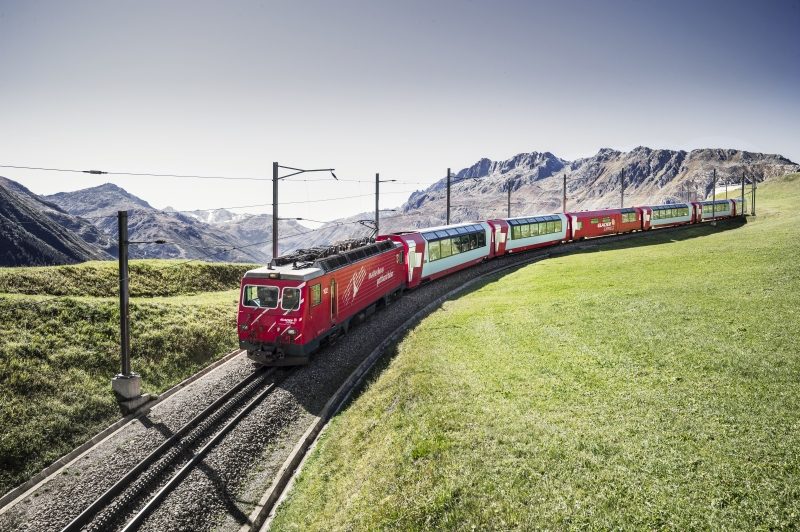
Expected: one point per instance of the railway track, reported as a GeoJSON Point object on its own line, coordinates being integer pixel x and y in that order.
{"type": "Point", "coordinates": [245, 474]}
{"type": "Point", "coordinates": [141, 489]}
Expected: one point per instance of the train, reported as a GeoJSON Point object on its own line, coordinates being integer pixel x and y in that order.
{"type": "Point", "coordinates": [288, 308]}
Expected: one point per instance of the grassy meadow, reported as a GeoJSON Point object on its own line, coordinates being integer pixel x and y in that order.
{"type": "Point", "coordinates": [59, 346]}
{"type": "Point", "coordinates": [631, 386]}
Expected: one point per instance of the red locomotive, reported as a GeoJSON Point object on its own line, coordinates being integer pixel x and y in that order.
{"type": "Point", "coordinates": [288, 308]}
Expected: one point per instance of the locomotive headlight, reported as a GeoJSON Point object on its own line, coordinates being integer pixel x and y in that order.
{"type": "Point", "coordinates": [243, 326]}
{"type": "Point", "coordinates": [291, 332]}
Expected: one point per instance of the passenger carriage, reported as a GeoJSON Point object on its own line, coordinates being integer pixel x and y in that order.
{"type": "Point", "coordinates": [438, 251]}
{"type": "Point", "coordinates": [590, 224]}
{"type": "Point", "coordinates": [710, 210]}
{"type": "Point", "coordinates": [513, 235]}
{"type": "Point", "coordinates": [288, 308]}
{"type": "Point", "coordinates": [655, 216]}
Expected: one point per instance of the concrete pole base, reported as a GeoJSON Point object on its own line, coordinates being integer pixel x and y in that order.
{"type": "Point", "coordinates": [128, 389]}
{"type": "Point", "coordinates": [127, 386]}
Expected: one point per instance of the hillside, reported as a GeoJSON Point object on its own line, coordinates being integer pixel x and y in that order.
{"type": "Point", "coordinates": [639, 385]}
{"type": "Point", "coordinates": [37, 232]}
{"type": "Point", "coordinates": [56, 349]}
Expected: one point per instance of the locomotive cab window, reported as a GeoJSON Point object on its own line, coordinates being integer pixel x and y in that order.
{"type": "Point", "coordinates": [291, 299]}
{"type": "Point", "coordinates": [261, 296]}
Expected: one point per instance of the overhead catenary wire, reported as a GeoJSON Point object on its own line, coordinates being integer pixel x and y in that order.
{"type": "Point", "coordinates": [135, 174]}
{"type": "Point", "coordinates": [186, 176]}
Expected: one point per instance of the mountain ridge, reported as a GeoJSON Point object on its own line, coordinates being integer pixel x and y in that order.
{"type": "Point", "coordinates": [478, 191]}
{"type": "Point", "coordinates": [37, 232]}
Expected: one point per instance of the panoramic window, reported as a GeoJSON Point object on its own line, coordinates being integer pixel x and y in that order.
{"type": "Point", "coordinates": [464, 239]}
{"type": "Point", "coordinates": [291, 299]}
{"type": "Point", "coordinates": [261, 296]}
{"type": "Point", "coordinates": [446, 248]}
{"type": "Point", "coordinates": [434, 250]}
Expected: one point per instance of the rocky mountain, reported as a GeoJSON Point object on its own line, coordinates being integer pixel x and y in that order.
{"type": "Point", "coordinates": [652, 176]}
{"type": "Point", "coordinates": [209, 235]}
{"type": "Point", "coordinates": [37, 232]}
{"type": "Point", "coordinates": [187, 237]}
{"type": "Point", "coordinates": [213, 216]}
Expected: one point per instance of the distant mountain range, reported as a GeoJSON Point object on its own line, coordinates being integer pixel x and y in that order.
{"type": "Point", "coordinates": [71, 227]}
{"type": "Point", "coordinates": [536, 181]}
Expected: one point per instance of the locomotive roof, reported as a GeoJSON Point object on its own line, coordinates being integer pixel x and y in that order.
{"type": "Point", "coordinates": [304, 265]}
{"type": "Point", "coordinates": [284, 272]}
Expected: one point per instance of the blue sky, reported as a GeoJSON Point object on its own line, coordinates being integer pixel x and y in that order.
{"type": "Point", "coordinates": [402, 88]}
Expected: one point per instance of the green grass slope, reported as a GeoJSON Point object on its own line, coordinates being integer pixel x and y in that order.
{"type": "Point", "coordinates": [642, 387]}
{"type": "Point", "coordinates": [148, 278]}
{"type": "Point", "coordinates": [57, 357]}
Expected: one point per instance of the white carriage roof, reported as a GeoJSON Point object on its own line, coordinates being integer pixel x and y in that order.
{"type": "Point", "coordinates": [445, 227]}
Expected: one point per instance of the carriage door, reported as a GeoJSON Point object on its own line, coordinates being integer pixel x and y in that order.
{"type": "Point", "coordinates": [333, 300]}
{"type": "Point", "coordinates": [415, 258]}
{"type": "Point", "coordinates": [500, 239]}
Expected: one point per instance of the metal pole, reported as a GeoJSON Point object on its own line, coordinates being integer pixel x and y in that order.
{"type": "Point", "coordinates": [448, 198]}
{"type": "Point", "coordinates": [509, 200]}
{"type": "Point", "coordinates": [564, 197]}
{"type": "Point", "coordinates": [753, 203]}
{"type": "Point", "coordinates": [377, 202]}
{"type": "Point", "coordinates": [622, 189]}
{"type": "Point", "coordinates": [714, 195]}
{"type": "Point", "coordinates": [742, 213]}
{"type": "Point", "coordinates": [274, 210]}
{"type": "Point", "coordinates": [124, 323]}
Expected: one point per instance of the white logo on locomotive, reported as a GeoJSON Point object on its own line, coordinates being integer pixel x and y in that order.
{"type": "Point", "coordinates": [354, 285]}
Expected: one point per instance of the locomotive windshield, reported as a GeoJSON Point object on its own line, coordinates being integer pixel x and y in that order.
{"type": "Point", "coordinates": [261, 296]}
{"type": "Point", "coordinates": [291, 299]}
